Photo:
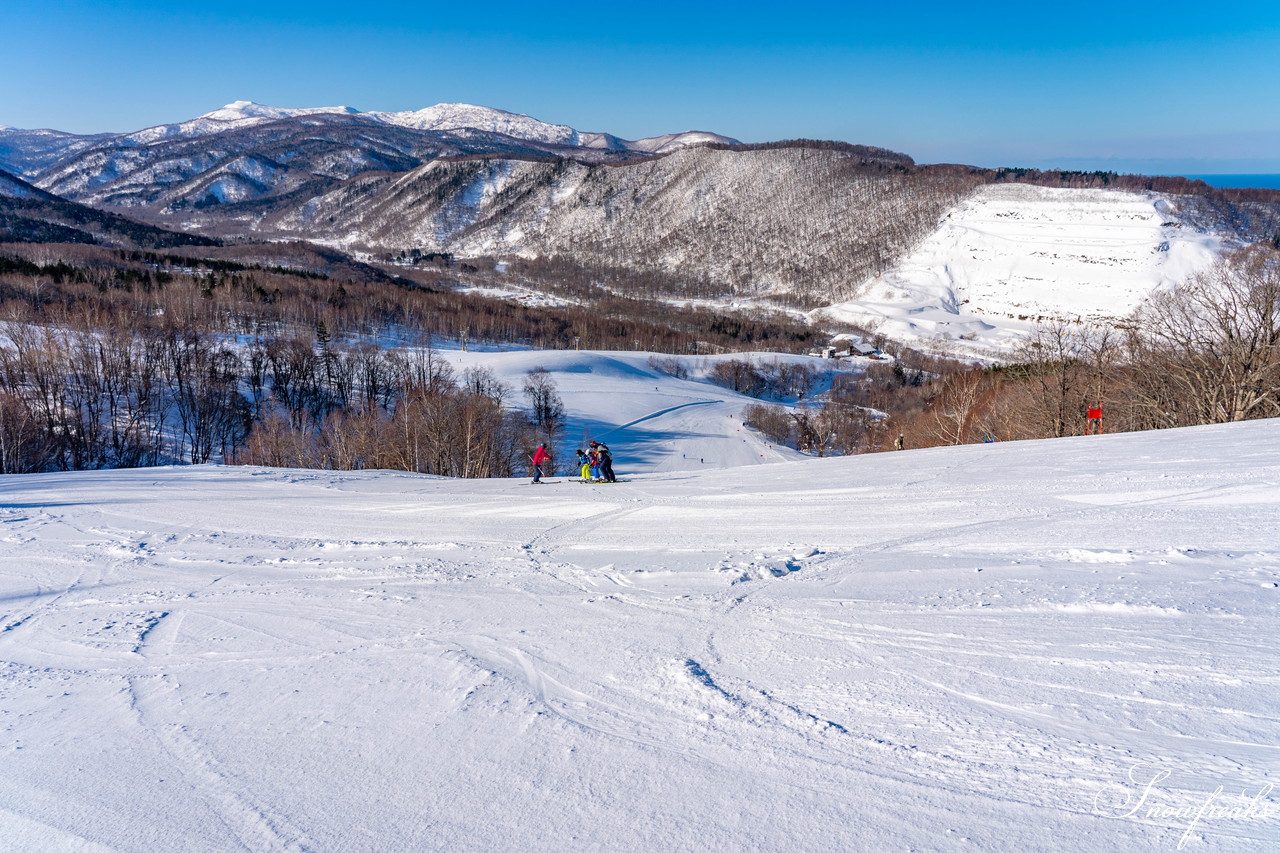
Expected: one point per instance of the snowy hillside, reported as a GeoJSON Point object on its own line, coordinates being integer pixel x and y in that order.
{"type": "Point", "coordinates": [990, 647]}
{"type": "Point", "coordinates": [655, 421]}
{"type": "Point", "coordinates": [12, 186]}
{"type": "Point", "coordinates": [669, 142]}
{"type": "Point", "coordinates": [1012, 254]}
{"type": "Point", "coordinates": [455, 116]}
{"type": "Point", "coordinates": [459, 116]}
{"type": "Point", "coordinates": [773, 222]}
{"type": "Point", "coordinates": [27, 152]}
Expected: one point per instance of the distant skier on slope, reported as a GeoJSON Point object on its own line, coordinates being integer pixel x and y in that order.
{"type": "Point", "coordinates": [540, 457]}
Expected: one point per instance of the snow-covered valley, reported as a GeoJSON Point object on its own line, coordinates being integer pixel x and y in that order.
{"type": "Point", "coordinates": [989, 647]}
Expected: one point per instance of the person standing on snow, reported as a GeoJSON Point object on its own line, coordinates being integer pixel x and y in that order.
{"type": "Point", "coordinates": [606, 461]}
{"type": "Point", "coordinates": [540, 457]}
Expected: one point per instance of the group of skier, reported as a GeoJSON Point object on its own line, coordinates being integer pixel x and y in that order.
{"type": "Point", "coordinates": [596, 463]}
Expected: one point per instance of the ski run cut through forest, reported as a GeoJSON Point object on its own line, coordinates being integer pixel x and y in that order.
{"type": "Point", "coordinates": [1041, 645]}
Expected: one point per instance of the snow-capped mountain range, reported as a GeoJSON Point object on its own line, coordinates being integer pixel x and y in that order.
{"type": "Point", "coordinates": [441, 117]}
{"type": "Point", "coordinates": [950, 255]}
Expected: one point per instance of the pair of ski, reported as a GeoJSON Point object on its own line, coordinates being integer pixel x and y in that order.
{"type": "Point", "coordinates": [577, 480]}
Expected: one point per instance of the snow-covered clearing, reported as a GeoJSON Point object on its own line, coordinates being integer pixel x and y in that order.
{"type": "Point", "coordinates": [650, 420]}
{"type": "Point", "coordinates": [1014, 253]}
{"type": "Point", "coordinates": [987, 647]}
{"type": "Point", "coordinates": [516, 293]}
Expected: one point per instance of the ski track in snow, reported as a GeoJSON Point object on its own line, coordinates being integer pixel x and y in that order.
{"type": "Point", "coordinates": [948, 649]}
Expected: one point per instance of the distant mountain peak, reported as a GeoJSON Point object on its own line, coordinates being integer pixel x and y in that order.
{"type": "Point", "coordinates": [491, 119]}
{"type": "Point", "coordinates": [448, 116]}
{"type": "Point", "coordinates": [251, 109]}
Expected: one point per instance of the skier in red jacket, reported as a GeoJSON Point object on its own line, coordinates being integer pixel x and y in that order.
{"type": "Point", "coordinates": [540, 456]}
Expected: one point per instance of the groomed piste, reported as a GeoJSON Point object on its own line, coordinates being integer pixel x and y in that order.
{"type": "Point", "coordinates": [989, 647]}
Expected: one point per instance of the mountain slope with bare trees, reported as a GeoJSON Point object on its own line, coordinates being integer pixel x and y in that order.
{"type": "Point", "coordinates": [804, 223]}
{"type": "Point", "coordinates": [682, 216]}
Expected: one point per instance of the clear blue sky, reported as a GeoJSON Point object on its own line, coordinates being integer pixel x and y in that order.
{"type": "Point", "coordinates": [1160, 87]}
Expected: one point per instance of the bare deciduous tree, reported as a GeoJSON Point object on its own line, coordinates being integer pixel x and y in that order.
{"type": "Point", "coordinates": [1208, 351]}
{"type": "Point", "coordinates": [546, 409]}
{"type": "Point", "coordinates": [956, 409]}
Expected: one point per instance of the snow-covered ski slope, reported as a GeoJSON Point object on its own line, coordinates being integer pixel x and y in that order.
{"type": "Point", "coordinates": [990, 647]}
{"type": "Point", "coordinates": [650, 420]}
{"type": "Point", "coordinates": [1013, 254]}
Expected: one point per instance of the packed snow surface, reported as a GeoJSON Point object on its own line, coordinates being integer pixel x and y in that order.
{"type": "Point", "coordinates": [1053, 645]}
{"type": "Point", "coordinates": [1012, 255]}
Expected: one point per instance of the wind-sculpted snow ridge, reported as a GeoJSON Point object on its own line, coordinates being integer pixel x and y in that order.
{"type": "Point", "coordinates": [1032, 646]}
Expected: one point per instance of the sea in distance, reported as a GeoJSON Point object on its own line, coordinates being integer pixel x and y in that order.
{"type": "Point", "coordinates": [1222, 181]}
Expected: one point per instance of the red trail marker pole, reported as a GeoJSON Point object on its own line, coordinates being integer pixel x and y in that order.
{"type": "Point", "coordinates": [1094, 421]}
